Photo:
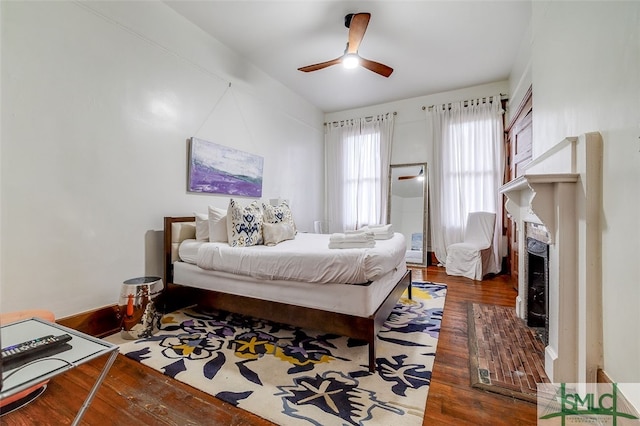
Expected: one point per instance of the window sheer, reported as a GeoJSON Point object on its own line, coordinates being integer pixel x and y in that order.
{"type": "Point", "coordinates": [467, 171]}
{"type": "Point", "coordinates": [357, 164]}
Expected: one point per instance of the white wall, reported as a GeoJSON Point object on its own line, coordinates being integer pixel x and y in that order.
{"type": "Point", "coordinates": [586, 77]}
{"type": "Point", "coordinates": [520, 77]}
{"type": "Point", "coordinates": [1, 68]}
{"type": "Point", "coordinates": [98, 100]}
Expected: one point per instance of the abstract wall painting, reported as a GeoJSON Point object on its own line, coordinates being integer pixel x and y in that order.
{"type": "Point", "coordinates": [220, 169]}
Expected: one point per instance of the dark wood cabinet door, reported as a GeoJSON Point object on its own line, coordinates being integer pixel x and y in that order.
{"type": "Point", "coordinates": [521, 138]}
{"type": "Point", "coordinates": [519, 143]}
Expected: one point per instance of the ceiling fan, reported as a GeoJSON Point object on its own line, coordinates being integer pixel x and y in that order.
{"type": "Point", "coordinates": [419, 176]}
{"type": "Point", "coordinates": [357, 24]}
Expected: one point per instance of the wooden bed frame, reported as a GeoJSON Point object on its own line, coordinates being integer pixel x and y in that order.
{"type": "Point", "coordinates": [361, 328]}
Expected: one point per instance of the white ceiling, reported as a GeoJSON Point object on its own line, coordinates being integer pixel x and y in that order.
{"type": "Point", "coordinates": [433, 46]}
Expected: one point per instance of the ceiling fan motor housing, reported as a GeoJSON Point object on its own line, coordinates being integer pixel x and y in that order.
{"type": "Point", "coordinates": [347, 20]}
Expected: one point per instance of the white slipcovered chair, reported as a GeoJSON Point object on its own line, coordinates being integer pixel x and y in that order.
{"type": "Point", "coordinates": [472, 258]}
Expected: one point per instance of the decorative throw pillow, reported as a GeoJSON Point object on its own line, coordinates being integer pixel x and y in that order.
{"type": "Point", "coordinates": [202, 227]}
{"type": "Point", "coordinates": [278, 214]}
{"type": "Point", "coordinates": [217, 225]}
{"type": "Point", "coordinates": [244, 224]}
{"type": "Point", "coordinates": [274, 233]}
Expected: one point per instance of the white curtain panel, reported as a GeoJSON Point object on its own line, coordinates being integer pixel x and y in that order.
{"type": "Point", "coordinates": [467, 171]}
{"type": "Point", "coordinates": [357, 159]}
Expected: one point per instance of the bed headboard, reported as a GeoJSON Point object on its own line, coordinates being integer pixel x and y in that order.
{"type": "Point", "coordinates": [176, 230]}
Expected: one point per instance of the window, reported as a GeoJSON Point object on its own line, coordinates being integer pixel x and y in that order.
{"type": "Point", "coordinates": [469, 169]}
{"type": "Point", "coordinates": [357, 160]}
{"type": "Point", "coordinates": [362, 179]}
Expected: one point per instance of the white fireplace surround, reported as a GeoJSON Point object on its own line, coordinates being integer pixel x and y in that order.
{"type": "Point", "coordinates": [562, 190]}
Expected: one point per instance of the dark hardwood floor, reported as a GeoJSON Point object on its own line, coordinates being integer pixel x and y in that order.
{"type": "Point", "coordinates": [135, 394]}
{"type": "Point", "coordinates": [451, 399]}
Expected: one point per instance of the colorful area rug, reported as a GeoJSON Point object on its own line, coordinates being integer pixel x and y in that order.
{"type": "Point", "coordinates": [294, 376]}
{"type": "Point", "coordinates": [505, 356]}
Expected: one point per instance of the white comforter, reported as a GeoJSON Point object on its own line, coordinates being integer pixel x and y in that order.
{"type": "Point", "coordinates": [306, 258]}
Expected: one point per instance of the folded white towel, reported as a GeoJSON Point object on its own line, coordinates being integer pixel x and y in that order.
{"type": "Point", "coordinates": [384, 236]}
{"type": "Point", "coordinates": [380, 232]}
{"type": "Point", "coordinates": [359, 237]}
{"type": "Point", "coordinates": [378, 229]}
{"type": "Point", "coordinates": [337, 236]}
{"type": "Point", "coordinates": [348, 245]}
{"type": "Point", "coordinates": [359, 232]}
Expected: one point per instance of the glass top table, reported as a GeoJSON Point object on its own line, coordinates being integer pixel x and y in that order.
{"type": "Point", "coordinates": [84, 348]}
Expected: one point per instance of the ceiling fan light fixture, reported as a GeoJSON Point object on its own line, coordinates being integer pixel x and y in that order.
{"type": "Point", "coordinates": [357, 24]}
{"type": "Point", "coordinates": [350, 61]}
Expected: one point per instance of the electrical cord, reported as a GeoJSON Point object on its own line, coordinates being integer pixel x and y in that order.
{"type": "Point", "coordinates": [35, 361]}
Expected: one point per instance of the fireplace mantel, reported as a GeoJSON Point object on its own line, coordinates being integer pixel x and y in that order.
{"type": "Point", "coordinates": [530, 197]}
{"type": "Point", "coordinates": [533, 195]}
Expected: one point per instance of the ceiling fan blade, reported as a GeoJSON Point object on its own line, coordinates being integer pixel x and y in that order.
{"type": "Point", "coordinates": [321, 65]}
{"type": "Point", "coordinates": [357, 28]}
{"type": "Point", "coordinates": [376, 67]}
{"type": "Point", "coordinates": [420, 174]}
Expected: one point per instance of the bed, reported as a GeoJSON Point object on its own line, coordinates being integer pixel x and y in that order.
{"type": "Point", "coordinates": [353, 304]}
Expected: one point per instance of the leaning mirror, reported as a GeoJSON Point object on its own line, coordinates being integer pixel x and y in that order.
{"type": "Point", "coordinates": [407, 208]}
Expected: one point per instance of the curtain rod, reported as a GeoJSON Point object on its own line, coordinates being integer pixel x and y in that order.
{"type": "Point", "coordinates": [366, 118]}
{"type": "Point", "coordinates": [503, 97]}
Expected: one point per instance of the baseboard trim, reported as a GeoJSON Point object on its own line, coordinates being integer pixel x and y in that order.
{"type": "Point", "coordinates": [102, 322]}
{"type": "Point", "coordinates": [602, 377]}
{"type": "Point", "coordinates": [99, 322]}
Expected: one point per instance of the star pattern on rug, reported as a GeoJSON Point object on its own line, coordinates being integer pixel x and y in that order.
{"type": "Point", "coordinates": [334, 393]}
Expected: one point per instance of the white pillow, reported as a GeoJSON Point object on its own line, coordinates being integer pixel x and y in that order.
{"type": "Point", "coordinates": [217, 225]}
{"type": "Point", "coordinates": [244, 224]}
{"type": "Point", "coordinates": [202, 227]}
{"type": "Point", "coordinates": [274, 233]}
